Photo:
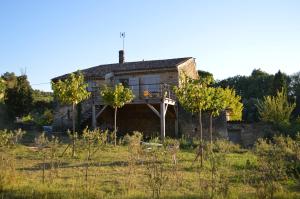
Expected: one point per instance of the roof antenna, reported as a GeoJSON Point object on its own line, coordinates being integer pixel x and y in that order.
{"type": "Point", "coordinates": [23, 71]}
{"type": "Point", "coordinates": [122, 35]}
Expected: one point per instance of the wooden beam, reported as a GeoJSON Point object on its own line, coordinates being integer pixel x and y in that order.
{"type": "Point", "coordinates": [166, 109]}
{"type": "Point", "coordinates": [103, 108]}
{"type": "Point", "coordinates": [176, 120]}
{"type": "Point", "coordinates": [154, 110]}
{"type": "Point", "coordinates": [94, 116]}
{"type": "Point", "coordinates": [162, 121]}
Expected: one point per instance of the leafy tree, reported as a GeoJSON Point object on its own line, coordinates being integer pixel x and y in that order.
{"type": "Point", "coordinates": [276, 109]}
{"type": "Point", "coordinates": [295, 92]}
{"type": "Point", "coordinates": [116, 97]}
{"type": "Point", "coordinates": [18, 97]}
{"type": "Point", "coordinates": [206, 75]}
{"type": "Point", "coordinates": [220, 99]}
{"type": "Point", "coordinates": [279, 83]}
{"type": "Point", "coordinates": [10, 79]}
{"type": "Point", "coordinates": [233, 104]}
{"type": "Point", "coordinates": [71, 91]}
{"type": "Point", "coordinates": [216, 103]}
{"type": "Point", "coordinates": [250, 88]}
{"type": "Point", "coordinates": [193, 96]}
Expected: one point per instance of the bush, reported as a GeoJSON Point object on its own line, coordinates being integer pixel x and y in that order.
{"type": "Point", "coordinates": [225, 146]}
{"type": "Point", "coordinates": [277, 160]}
{"type": "Point", "coordinates": [10, 138]}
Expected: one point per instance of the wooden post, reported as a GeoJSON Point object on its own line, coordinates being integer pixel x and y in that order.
{"type": "Point", "coordinates": [94, 117]}
{"type": "Point", "coordinates": [176, 120]}
{"type": "Point", "coordinates": [162, 121]}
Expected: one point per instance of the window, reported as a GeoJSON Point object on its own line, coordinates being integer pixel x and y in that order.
{"type": "Point", "coordinates": [124, 82]}
{"type": "Point", "coordinates": [91, 85]}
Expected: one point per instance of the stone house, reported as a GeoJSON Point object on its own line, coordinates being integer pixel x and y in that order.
{"type": "Point", "coordinates": [154, 110]}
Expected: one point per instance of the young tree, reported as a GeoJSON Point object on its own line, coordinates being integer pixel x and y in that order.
{"type": "Point", "coordinates": [216, 103]}
{"type": "Point", "coordinates": [116, 97]}
{"type": "Point", "coordinates": [193, 96]}
{"type": "Point", "coordinates": [276, 109]}
{"type": "Point", "coordinates": [71, 91]}
{"type": "Point", "coordinates": [220, 99]}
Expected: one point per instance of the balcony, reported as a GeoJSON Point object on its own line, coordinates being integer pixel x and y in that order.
{"type": "Point", "coordinates": [144, 93]}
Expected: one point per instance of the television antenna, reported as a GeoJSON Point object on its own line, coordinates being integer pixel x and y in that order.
{"type": "Point", "coordinates": [122, 35]}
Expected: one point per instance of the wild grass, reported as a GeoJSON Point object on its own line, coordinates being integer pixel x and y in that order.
{"type": "Point", "coordinates": [130, 171]}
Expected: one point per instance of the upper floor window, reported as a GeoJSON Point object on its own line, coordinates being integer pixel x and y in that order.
{"type": "Point", "coordinates": [92, 85]}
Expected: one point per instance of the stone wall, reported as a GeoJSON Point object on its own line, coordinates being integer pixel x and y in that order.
{"type": "Point", "coordinates": [246, 134]}
{"type": "Point", "coordinates": [189, 125]}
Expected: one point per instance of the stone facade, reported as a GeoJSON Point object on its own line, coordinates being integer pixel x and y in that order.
{"type": "Point", "coordinates": [246, 134]}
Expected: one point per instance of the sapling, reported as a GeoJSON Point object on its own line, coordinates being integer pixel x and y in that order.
{"type": "Point", "coordinates": [42, 143]}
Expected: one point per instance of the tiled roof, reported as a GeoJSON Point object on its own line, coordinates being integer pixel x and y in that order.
{"type": "Point", "coordinates": [101, 70]}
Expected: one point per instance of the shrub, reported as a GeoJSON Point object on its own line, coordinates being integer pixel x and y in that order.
{"type": "Point", "coordinates": [10, 138]}
{"type": "Point", "coordinates": [276, 161]}
{"type": "Point", "coordinates": [225, 146]}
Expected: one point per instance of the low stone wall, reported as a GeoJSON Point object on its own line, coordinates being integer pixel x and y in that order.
{"type": "Point", "coordinates": [246, 134]}
{"type": "Point", "coordinates": [189, 125]}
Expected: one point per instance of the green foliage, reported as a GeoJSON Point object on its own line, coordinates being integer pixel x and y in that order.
{"type": "Point", "coordinates": [44, 119]}
{"type": "Point", "coordinates": [276, 161]}
{"type": "Point", "coordinates": [276, 110]}
{"type": "Point", "coordinates": [121, 172]}
{"type": "Point", "coordinates": [250, 88]}
{"type": "Point", "coordinates": [39, 95]}
{"type": "Point", "coordinates": [118, 96]}
{"type": "Point", "coordinates": [2, 88]}
{"type": "Point", "coordinates": [233, 103]}
{"type": "Point", "coordinates": [192, 94]}
{"type": "Point", "coordinates": [206, 75]}
{"type": "Point", "coordinates": [279, 83]}
{"type": "Point", "coordinates": [18, 97]}
{"type": "Point", "coordinates": [294, 88]}
{"type": "Point", "coordinates": [72, 90]}
{"type": "Point", "coordinates": [93, 140]}
{"type": "Point", "coordinates": [225, 146]}
{"type": "Point", "coordinates": [27, 119]}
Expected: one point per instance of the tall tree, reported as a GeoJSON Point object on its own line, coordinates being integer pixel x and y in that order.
{"type": "Point", "coordinates": [276, 109]}
{"type": "Point", "coordinates": [71, 91]}
{"type": "Point", "coordinates": [193, 96]}
{"type": "Point", "coordinates": [295, 92]}
{"type": "Point", "coordinates": [18, 96]}
{"type": "Point", "coordinates": [116, 97]}
{"type": "Point", "coordinates": [279, 83]}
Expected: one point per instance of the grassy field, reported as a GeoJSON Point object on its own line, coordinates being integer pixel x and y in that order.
{"type": "Point", "coordinates": [119, 172]}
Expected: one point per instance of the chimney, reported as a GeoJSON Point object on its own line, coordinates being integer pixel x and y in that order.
{"type": "Point", "coordinates": [121, 57]}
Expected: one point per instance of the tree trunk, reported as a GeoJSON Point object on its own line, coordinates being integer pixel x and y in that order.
{"type": "Point", "coordinates": [73, 137]}
{"type": "Point", "coordinates": [115, 128]}
{"type": "Point", "coordinates": [210, 128]}
{"type": "Point", "coordinates": [201, 138]}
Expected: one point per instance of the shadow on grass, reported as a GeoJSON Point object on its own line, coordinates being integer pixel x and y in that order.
{"type": "Point", "coordinates": [65, 165]}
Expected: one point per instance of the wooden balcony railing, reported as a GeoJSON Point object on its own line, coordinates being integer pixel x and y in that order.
{"type": "Point", "coordinates": [142, 92]}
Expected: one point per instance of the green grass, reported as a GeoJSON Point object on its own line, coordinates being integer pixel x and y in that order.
{"type": "Point", "coordinates": [109, 175]}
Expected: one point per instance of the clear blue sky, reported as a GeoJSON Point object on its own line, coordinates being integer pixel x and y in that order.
{"type": "Point", "coordinates": [50, 38]}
